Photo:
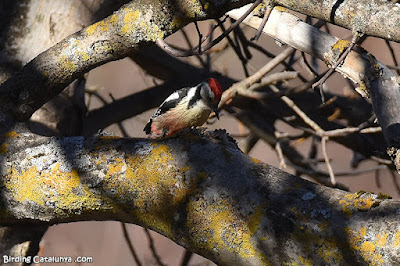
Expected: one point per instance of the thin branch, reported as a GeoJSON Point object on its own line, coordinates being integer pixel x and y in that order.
{"type": "Point", "coordinates": [394, 178]}
{"type": "Point", "coordinates": [184, 53]}
{"type": "Point", "coordinates": [153, 248]}
{"type": "Point", "coordinates": [198, 32]}
{"type": "Point", "coordinates": [129, 243]}
{"type": "Point", "coordinates": [186, 37]}
{"type": "Point", "coordinates": [186, 257]}
{"type": "Point", "coordinates": [260, 49]}
{"type": "Point", "coordinates": [250, 142]}
{"type": "Point", "coordinates": [119, 124]}
{"type": "Point", "coordinates": [328, 164]}
{"type": "Point", "coordinates": [356, 37]}
{"type": "Point", "coordinates": [389, 45]}
{"type": "Point", "coordinates": [289, 102]}
{"type": "Point", "coordinates": [305, 86]}
{"type": "Point", "coordinates": [307, 66]}
{"type": "Point", "coordinates": [279, 152]}
{"type": "Point", "coordinates": [274, 78]}
{"type": "Point", "coordinates": [348, 130]}
{"type": "Point", "coordinates": [235, 47]}
{"type": "Point", "coordinates": [242, 41]}
{"type": "Point", "coordinates": [268, 10]}
{"type": "Point", "coordinates": [256, 77]}
{"type": "Point", "coordinates": [378, 178]}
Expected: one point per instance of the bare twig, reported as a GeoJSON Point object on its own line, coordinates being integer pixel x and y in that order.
{"type": "Point", "coordinates": [184, 53]}
{"type": "Point", "coordinates": [250, 142]}
{"type": "Point", "coordinates": [130, 245]}
{"type": "Point", "coordinates": [186, 257]}
{"type": "Point", "coordinates": [289, 102]}
{"type": "Point", "coordinates": [389, 45]}
{"type": "Point", "coordinates": [242, 41]}
{"type": "Point", "coordinates": [153, 248]}
{"type": "Point", "coordinates": [256, 77]}
{"type": "Point", "coordinates": [120, 126]}
{"type": "Point", "coordinates": [395, 182]}
{"type": "Point", "coordinates": [274, 78]}
{"type": "Point", "coordinates": [268, 10]}
{"type": "Point", "coordinates": [381, 160]}
{"type": "Point", "coordinates": [328, 164]}
{"type": "Point", "coordinates": [378, 178]}
{"type": "Point", "coordinates": [279, 151]}
{"type": "Point", "coordinates": [305, 86]}
{"type": "Point", "coordinates": [236, 48]}
{"type": "Point", "coordinates": [348, 130]}
{"type": "Point", "coordinates": [356, 37]}
{"type": "Point", "coordinates": [260, 49]}
{"type": "Point", "coordinates": [198, 32]}
{"type": "Point", "coordinates": [186, 37]}
{"type": "Point", "coordinates": [307, 66]}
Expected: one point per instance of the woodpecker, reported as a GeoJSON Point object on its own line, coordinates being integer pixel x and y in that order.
{"type": "Point", "coordinates": [185, 108]}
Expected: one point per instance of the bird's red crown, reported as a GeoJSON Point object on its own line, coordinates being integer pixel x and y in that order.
{"type": "Point", "coordinates": [215, 88]}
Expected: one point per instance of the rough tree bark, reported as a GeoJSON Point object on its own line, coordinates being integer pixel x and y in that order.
{"type": "Point", "coordinates": [217, 202]}
{"type": "Point", "coordinates": [372, 17]}
{"type": "Point", "coordinates": [373, 77]}
{"type": "Point", "coordinates": [201, 191]}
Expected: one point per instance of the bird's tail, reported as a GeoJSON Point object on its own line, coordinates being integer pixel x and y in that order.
{"type": "Point", "coordinates": [147, 128]}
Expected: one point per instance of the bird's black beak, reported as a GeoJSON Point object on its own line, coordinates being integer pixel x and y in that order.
{"type": "Point", "coordinates": [216, 111]}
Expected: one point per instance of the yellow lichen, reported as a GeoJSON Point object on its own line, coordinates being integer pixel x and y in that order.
{"type": "Point", "coordinates": [185, 168]}
{"type": "Point", "coordinates": [56, 186]}
{"type": "Point", "coordinates": [75, 52]}
{"type": "Point", "coordinates": [143, 176]}
{"type": "Point", "coordinates": [355, 237]}
{"type": "Point", "coordinates": [92, 28]}
{"type": "Point", "coordinates": [340, 45]}
{"type": "Point", "coordinates": [254, 160]}
{"type": "Point", "coordinates": [325, 247]}
{"type": "Point", "coordinates": [29, 190]}
{"type": "Point", "coordinates": [353, 202]}
{"type": "Point", "coordinates": [11, 134]}
{"type": "Point", "coordinates": [366, 248]}
{"type": "Point", "coordinates": [255, 219]}
{"type": "Point", "coordinates": [130, 18]}
{"type": "Point", "coordinates": [115, 168]}
{"type": "Point", "coordinates": [3, 148]}
{"type": "Point", "coordinates": [223, 228]}
{"type": "Point", "coordinates": [102, 25]}
{"type": "Point", "coordinates": [177, 22]}
{"type": "Point", "coordinates": [281, 9]}
{"type": "Point", "coordinates": [67, 64]}
{"type": "Point", "coordinates": [328, 251]}
{"type": "Point", "coordinates": [381, 239]}
{"type": "Point", "coordinates": [363, 90]}
{"type": "Point", "coordinates": [305, 261]}
{"type": "Point", "coordinates": [396, 241]}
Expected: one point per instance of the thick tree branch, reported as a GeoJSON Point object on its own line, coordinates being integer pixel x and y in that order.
{"type": "Point", "coordinates": [202, 193]}
{"type": "Point", "coordinates": [371, 17]}
{"type": "Point", "coordinates": [373, 77]}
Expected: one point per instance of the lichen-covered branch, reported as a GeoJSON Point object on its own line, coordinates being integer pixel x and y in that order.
{"type": "Point", "coordinates": [372, 17]}
{"type": "Point", "coordinates": [134, 25]}
{"type": "Point", "coordinates": [202, 192]}
{"type": "Point", "coordinates": [373, 77]}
